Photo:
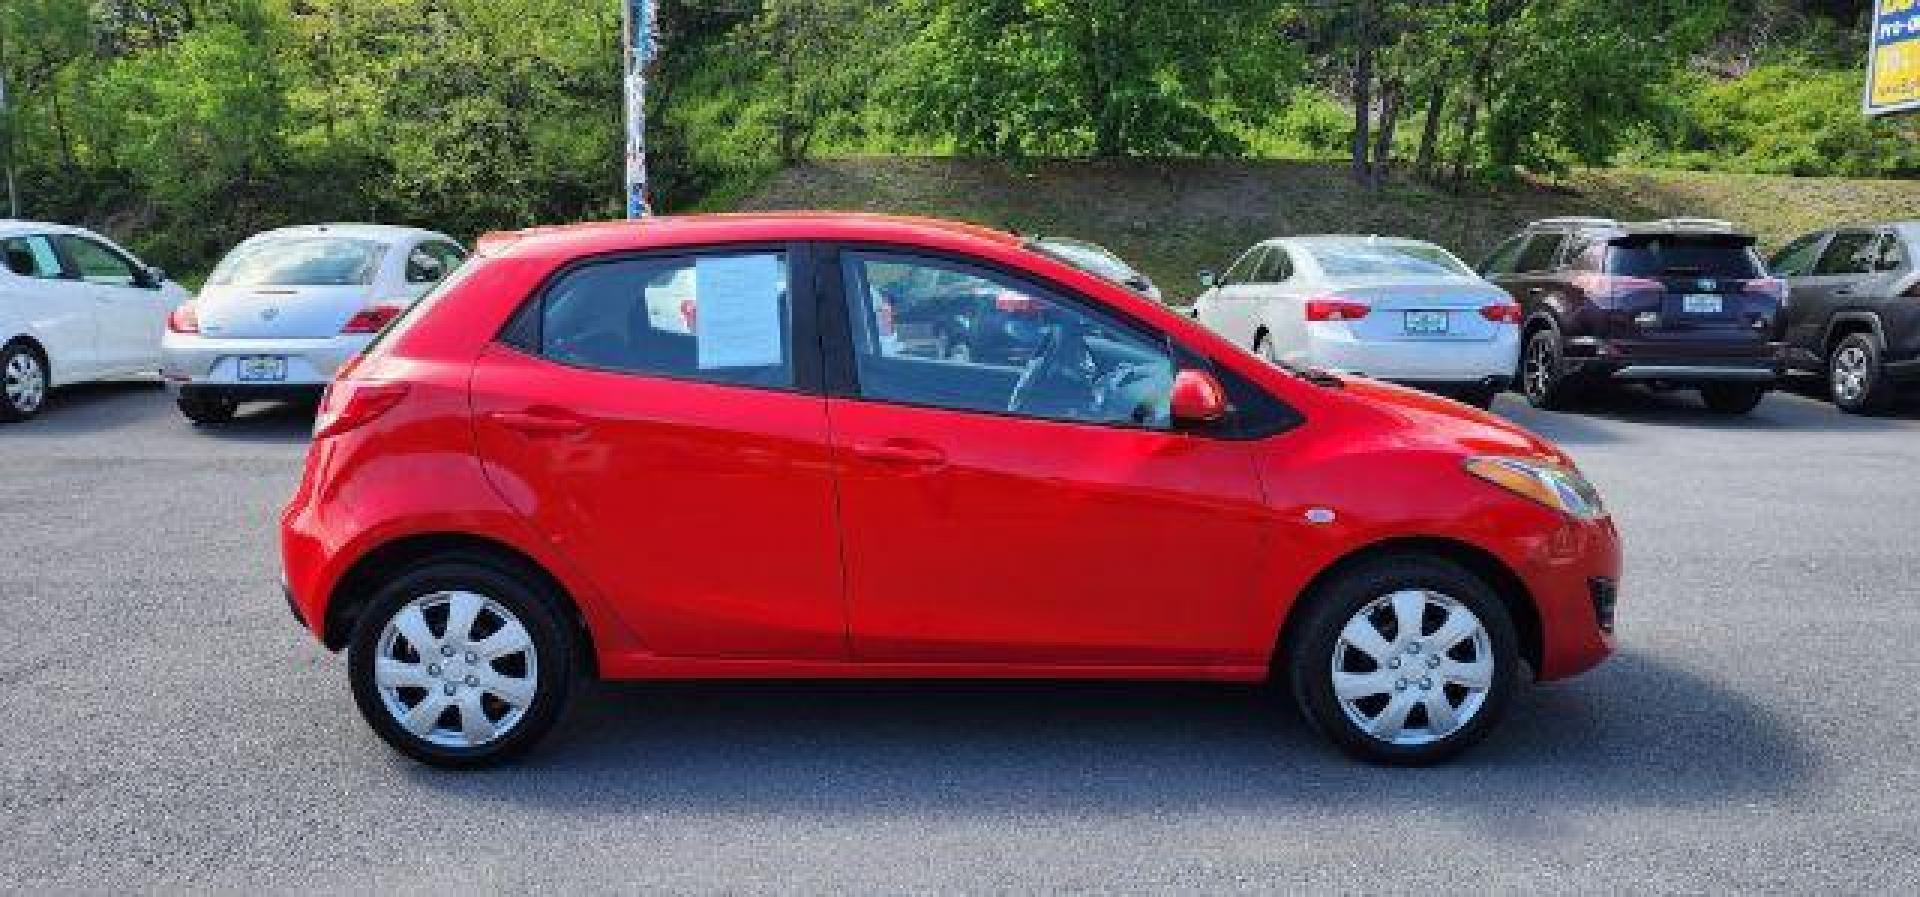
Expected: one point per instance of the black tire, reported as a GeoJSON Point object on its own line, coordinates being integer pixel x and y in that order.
{"type": "Point", "coordinates": [1309, 656]}
{"type": "Point", "coordinates": [24, 382]}
{"type": "Point", "coordinates": [1479, 397]}
{"type": "Point", "coordinates": [1540, 378]}
{"type": "Point", "coordinates": [537, 608]}
{"type": "Point", "coordinates": [1732, 398]}
{"type": "Point", "coordinates": [204, 411]}
{"type": "Point", "coordinates": [1857, 378]}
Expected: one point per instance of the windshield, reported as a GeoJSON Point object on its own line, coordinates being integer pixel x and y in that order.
{"type": "Point", "coordinates": [305, 261]}
{"type": "Point", "coordinates": [1723, 257]}
{"type": "Point", "coordinates": [1370, 258]}
{"type": "Point", "coordinates": [1091, 259]}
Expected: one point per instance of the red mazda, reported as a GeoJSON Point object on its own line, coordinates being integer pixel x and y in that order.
{"type": "Point", "coordinates": [739, 447]}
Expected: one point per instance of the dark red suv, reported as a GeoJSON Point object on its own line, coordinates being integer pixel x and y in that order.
{"type": "Point", "coordinates": [696, 448]}
{"type": "Point", "coordinates": [1680, 302]}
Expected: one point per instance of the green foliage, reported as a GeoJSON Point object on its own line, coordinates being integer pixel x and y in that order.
{"type": "Point", "coordinates": [1783, 118]}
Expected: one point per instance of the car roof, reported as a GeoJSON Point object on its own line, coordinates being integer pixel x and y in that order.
{"type": "Point", "coordinates": [13, 227]}
{"type": "Point", "coordinates": [1682, 225]}
{"type": "Point", "coordinates": [1350, 238]}
{"type": "Point", "coordinates": [386, 233]}
{"type": "Point", "coordinates": [738, 227]}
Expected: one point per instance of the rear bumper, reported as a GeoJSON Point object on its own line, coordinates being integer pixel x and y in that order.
{"type": "Point", "coordinates": [249, 392]}
{"type": "Point", "coordinates": [187, 359]}
{"type": "Point", "coordinates": [1762, 363]}
{"type": "Point", "coordinates": [1413, 362]}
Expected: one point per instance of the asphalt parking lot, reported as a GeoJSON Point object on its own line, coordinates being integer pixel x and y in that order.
{"type": "Point", "coordinates": [167, 726]}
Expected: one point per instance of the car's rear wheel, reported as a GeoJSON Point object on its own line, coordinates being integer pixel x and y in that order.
{"type": "Point", "coordinates": [207, 410]}
{"type": "Point", "coordinates": [1732, 398]}
{"type": "Point", "coordinates": [1404, 660]}
{"type": "Point", "coordinates": [1541, 380]}
{"type": "Point", "coordinates": [1856, 379]}
{"type": "Point", "coordinates": [459, 664]}
{"type": "Point", "coordinates": [23, 382]}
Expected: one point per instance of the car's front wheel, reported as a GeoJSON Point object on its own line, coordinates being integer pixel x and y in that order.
{"type": "Point", "coordinates": [1405, 660]}
{"type": "Point", "coordinates": [458, 663]}
{"type": "Point", "coordinates": [1855, 377]}
{"type": "Point", "coordinates": [23, 382]}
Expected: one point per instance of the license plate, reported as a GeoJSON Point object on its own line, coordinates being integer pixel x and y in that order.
{"type": "Point", "coordinates": [1426, 322]}
{"type": "Point", "coordinates": [1701, 304]}
{"type": "Point", "coordinates": [262, 368]}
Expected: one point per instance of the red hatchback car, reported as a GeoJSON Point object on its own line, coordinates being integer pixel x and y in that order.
{"type": "Point", "coordinates": [716, 447]}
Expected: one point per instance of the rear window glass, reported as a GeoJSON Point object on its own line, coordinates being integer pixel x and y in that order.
{"type": "Point", "coordinates": [301, 262]}
{"type": "Point", "coordinates": [1385, 260]}
{"type": "Point", "coordinates": [1089, 259]}
{"type": "Point", "coordinates": [1682, 256]}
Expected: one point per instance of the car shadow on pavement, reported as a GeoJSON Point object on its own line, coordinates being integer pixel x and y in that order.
{"type": "Point", "coordinates": [1637, 732]}
{"type": "Point", "coordinates": [1786, 411]}
{"type": "Point", "coordinates": [283, 423]}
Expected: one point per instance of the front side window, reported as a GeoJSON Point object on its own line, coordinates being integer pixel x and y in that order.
{"type": "Point", "coordinates": [1370, 258]}
{"type": "Point", "coordinates": [947, 335]}
{"type": "Point", "coordinates": [300, 261]}
{"type": "Point", "coordinates": [32, 256]}
{"type": "Point", "coordinates": [98, 264]}
{"type": "Point", "coordinates": [1892, 257]}
{"type": "Point", "coordinates": [1242, 270]}
{"type": "Point", "coordinates": [717, 318]}
{"type": "Point", "coordinates": [1502, 259]}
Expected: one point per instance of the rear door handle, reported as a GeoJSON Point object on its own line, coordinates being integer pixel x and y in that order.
{"type": "Point", "coordinates": [900, 451]}
{"type": "Point", "coordinates": [538, 424]}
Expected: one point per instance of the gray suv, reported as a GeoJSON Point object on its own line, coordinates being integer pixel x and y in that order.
{"type": "Point", "coordinates": [1853, 310]}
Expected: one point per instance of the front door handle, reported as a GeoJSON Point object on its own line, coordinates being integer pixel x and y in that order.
{"type": "Point", "coordinates": [538, 424]}
{"type": "Point", "coordinates": [901, 451]}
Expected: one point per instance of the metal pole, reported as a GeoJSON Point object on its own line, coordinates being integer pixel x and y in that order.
{"type": "Point", "coordinates": [6, 121]}
{"type": "Point", "coordinates": [638, 45]}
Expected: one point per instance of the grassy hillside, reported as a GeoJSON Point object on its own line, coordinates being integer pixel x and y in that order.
{"type": "Point", "coordinates": [1174, 218]}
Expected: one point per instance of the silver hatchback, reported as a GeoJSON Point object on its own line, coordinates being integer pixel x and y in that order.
{"type": "Point", "coordinates": [286, 308]}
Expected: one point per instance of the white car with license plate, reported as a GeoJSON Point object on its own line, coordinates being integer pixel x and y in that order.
{"type": "Point", "coordinates": [74, 306]}
{"type": "Point", "coordinates": [1393, 309]}
{"type": "Point", "coordinates": [286, 308]}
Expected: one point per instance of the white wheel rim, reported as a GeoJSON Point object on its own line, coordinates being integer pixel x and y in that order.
{"type": "Point", "coordinates": [1850, 373]}
{"type": "Point", "coordinates": [465, 685]}
{"type": "Point", "coordinates": [1539, 367]}
{"type": "Point", "coordinates": [25, 383]}
{"type": "Point", "coordinates": [1412, 668]}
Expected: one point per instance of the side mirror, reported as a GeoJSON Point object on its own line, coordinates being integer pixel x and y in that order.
{"type": "Point", "coordinates": [1209, 279]}
{"type": "Point", "coordinates": [1198, 399]}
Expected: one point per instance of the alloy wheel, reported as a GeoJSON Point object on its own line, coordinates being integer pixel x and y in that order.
{"type": "Point", "coordinates": [1539, 367]}
{"type": "Point", "coordinates": [456, 669]}
{"type": "Point", "coordinates": [25, 382]}
{"type": "Point", "coordinates": [1413, 667]}
{"type": "Point", "coordinates": [1852, 374]}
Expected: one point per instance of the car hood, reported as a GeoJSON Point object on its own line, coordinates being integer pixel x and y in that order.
{"type": "Point", "coordinates": [1429, 418]}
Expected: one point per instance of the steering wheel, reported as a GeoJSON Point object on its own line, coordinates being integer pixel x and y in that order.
{"type": "Point", "coordinates": [1048, 369]}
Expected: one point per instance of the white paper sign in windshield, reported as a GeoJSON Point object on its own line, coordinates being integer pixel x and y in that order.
{"type": "Point", "coordinates": [738, 310]}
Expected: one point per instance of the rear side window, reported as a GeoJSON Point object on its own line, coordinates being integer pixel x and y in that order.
{"type": "Point", "coordinates": [300, 261]}
{"type": "Point", "coordinates": [1891, 257]}
{"type": "Point", "coordinates": [429, 262]}
{"type": "Point", "coordinates": [32, 257]}
{"type": "Point", "coordinates": [1849, 252]}
{"type": "Point", "coordinates": [1729, 258]}
{"type": "Point", "coordinates": [718, 318]}
{"type": "Point", "coordinates": [1797, 259]}
{"type": "Point", "coordinates": [1541, 252]}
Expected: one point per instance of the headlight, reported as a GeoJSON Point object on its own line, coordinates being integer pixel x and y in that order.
{"type": "Point", "coordinates": [1557, 487]}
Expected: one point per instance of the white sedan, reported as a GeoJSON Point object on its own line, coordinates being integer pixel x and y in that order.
{"type": "Point", "coordinates": [73, 307]}
{"type": "Point", "coordinates": [1391, 309]}
{"type": "Point", "coordinates": [286, 308]}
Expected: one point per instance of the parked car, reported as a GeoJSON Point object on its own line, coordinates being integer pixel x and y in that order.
{"type": "Point", "coordinates": [1674, 303]}
{"type": "Point", "coordinates": [525, 477]}
{"type": "Point", "coordinates": [1393, 309]}
{"type": "Point", "coordinates": [285, 308]}
{"type": "Point", "coordinates": [1853, 311]}
{"type": "Point", "coordinates": [74, 306]}
{"type": "Point", "coordinates": [1100, 261]}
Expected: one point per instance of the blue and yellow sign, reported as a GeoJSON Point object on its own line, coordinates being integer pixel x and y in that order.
{"type": "Point", "coordinates": [1893, 62]}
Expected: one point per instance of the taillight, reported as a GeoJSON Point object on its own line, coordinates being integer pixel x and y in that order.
{"type": "Point", "coordinates": [1330, 309]}
{"type": "Point", "coordinates": [348, 404]}
{"type": "Point", "coordinates": [1767, 286]}
{"type": "Point", "coordinates": [1611, 286]}
{"type": "Point", "coordinates": [1501, 313]}
{"type": "Point", "coordinates": [372, 319]}
{"type": "Point", "coordinates": [183, 319]}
